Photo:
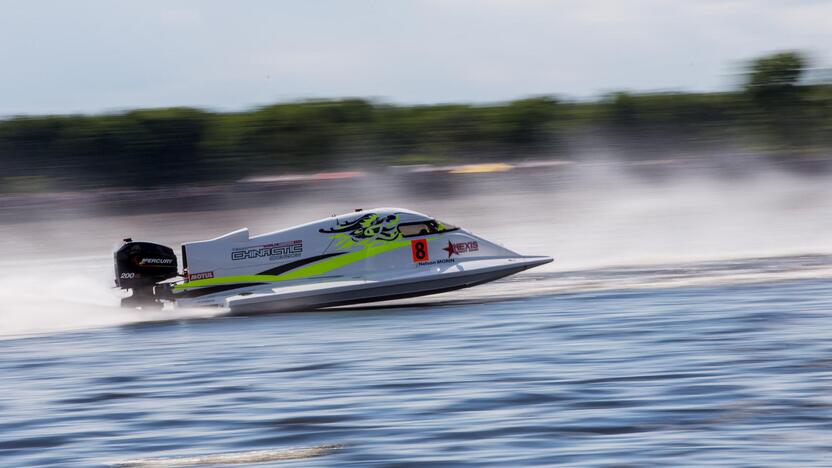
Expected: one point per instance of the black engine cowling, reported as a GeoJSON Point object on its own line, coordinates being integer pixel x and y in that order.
{"type": "Point", "coordinates": [140, 266]}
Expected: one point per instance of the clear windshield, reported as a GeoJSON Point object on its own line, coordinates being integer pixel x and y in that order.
{"type": "Point", "coordinates": [425, 228]}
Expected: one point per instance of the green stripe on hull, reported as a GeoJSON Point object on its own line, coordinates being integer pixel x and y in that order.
{"type": "Point", "coordinates": [315, 269]}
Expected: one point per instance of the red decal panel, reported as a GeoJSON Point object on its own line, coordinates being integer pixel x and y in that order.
{"type": "Point", "coordinates": [419, 250]}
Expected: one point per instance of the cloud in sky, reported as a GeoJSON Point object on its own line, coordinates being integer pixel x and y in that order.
{"type": "Point", "coordinates": [97, 55]}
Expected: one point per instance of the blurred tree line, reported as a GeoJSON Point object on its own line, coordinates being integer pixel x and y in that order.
{"type": "Point", "coordinates": [775, 111]}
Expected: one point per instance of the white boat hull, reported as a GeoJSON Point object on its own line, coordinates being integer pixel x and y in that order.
{"type": "Point", "coordinates": [339, 293]}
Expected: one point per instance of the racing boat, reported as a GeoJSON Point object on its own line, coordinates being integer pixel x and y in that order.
{"type": "Point", "coordinates": [365, 256]}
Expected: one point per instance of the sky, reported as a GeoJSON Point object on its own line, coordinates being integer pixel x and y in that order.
{"type": "Point", "coordinates": [93, 56]}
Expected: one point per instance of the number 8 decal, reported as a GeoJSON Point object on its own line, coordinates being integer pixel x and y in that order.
{"type": "Point", "coordinates": [419, 249]}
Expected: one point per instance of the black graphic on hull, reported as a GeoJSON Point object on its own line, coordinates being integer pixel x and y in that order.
{"type": "Point", "coordinates": [369, 226]}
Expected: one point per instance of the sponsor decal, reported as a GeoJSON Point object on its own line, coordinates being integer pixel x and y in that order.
{"type": "Point", "coordinates": [199, 276]}
{"type": "Point", "coordinates": [419, 250]}
{"type": "Point", "coordinates": [274, 251]}
{"type": "Point", "coordinates": [438, 262]}
{"type": "Point", "coordinates": [461, 248]}
{"type": "Point", "coordinates": [153, 261]}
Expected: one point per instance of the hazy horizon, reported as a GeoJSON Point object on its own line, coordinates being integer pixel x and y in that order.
{"type": "Point", "coordinates": [93, 56]}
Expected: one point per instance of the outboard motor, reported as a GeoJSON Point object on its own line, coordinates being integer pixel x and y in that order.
{"type": "Point", "coordinates": [140, 266]}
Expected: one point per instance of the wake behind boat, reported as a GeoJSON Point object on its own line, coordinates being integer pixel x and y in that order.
{"type": "Point", "coordinates": [366, 256]}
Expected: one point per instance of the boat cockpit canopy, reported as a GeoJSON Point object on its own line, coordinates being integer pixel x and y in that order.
{"type": "Point", "coordinates": [424, 228]}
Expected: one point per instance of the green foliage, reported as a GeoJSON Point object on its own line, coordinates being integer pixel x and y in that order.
{"type": "Point", "coordinates": [155, 147]}
{"type": "Point", "coordinates": [791, 117]}
{"type": "Point", "coordinates": [25, 184]}
{"type": "Point", "coordinates": [775, 77]}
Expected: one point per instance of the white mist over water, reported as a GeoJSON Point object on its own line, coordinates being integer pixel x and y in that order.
{"type": "Point", "coordinates": [588, 218]}
{"type": "Point", "coordinates": [605, 219]}
{"type": "Point", "coordinates": [58, 295]}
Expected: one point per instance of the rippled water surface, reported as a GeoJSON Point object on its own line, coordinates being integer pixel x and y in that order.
{"type": "Point", "coordinates": [540, 369]}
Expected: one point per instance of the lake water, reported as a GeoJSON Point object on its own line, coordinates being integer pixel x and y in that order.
{"type": "Point", "coordinates": [685, 321]}
{"type": "Point", "coordinates": [724, 363]}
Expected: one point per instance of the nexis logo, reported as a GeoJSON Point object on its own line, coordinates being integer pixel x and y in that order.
{"type": "Point", "coordinates": [461, 247]}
